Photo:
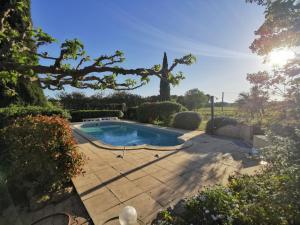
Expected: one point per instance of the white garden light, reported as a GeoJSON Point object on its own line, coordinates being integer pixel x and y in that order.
{"type": "Point", "coordinates": [128, 216]}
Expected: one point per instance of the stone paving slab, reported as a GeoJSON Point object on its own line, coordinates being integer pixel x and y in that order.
{"type": "Point", "coordinates": [22, 215]}
{"type": "Point", "coordinates": [145, 205]}
{"type": "Point", "coordinates": [100, 203]}
{"type": "Point", "coordinates": [151, 180]}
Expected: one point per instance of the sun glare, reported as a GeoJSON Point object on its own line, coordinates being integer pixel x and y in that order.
{"type": "Point", "coordinates": [280, 57]}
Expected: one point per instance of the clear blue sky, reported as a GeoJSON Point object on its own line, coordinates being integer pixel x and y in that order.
{"type": "Point", "coordinates": [217, 32]}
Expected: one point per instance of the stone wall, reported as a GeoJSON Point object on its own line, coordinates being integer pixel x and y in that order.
{"type": "Point", "coordinates": [240, 131]}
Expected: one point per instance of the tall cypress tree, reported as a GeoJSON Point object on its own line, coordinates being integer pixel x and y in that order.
{"type": "Point", "coordinates": [26, 90]}
{"type": "Point", "coordinates": [164, 91]}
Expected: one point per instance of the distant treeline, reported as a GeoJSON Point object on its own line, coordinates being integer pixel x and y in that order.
{"type": "Point", "coordinates": [192, 99]}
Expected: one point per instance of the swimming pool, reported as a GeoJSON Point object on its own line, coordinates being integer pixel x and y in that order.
{"type": "Point", "coordinates": [130, 134]}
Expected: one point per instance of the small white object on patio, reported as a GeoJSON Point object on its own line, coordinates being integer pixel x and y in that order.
{"type": "Point", "coordinates": [128, 216]}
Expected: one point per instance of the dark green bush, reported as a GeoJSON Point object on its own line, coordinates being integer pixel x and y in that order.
{"type": "Point", "coordinates": [9, 113]}
{"type": "Point", "coordinates": [162, 111]}
{"type": "Point", "coordinates": [131, 113]}
{"type": "Point", "coordinates": [187, 120]}
{"type": "Point", "coordinates": [112, 106]}
{"type": "Point", "coordinates": [78, 115]}
{"type": "Point", "coordinates": [218, 123]}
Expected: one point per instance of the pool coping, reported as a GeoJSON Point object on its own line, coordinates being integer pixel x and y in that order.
{"type": "Point", "coordinates": [186, 137]}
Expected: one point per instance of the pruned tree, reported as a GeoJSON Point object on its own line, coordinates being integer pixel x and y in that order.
{"type": "Point", "coordinates": [72, 66]}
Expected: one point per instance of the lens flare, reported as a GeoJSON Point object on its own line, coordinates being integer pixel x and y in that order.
{"type": "Point", "coordinates": [280, 57]}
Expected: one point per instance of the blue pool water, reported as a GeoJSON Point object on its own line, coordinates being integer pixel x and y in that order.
{"type": "Point", "coordinates": [124, 134]}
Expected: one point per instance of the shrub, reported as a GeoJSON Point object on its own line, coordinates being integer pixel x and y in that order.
{"type": "Point", "coordinates": [131, 113]}
{"type": "Point", "coordinates": [218, 123]}
{"type": "Point", "coordinates": [187, 120]}
{"type": "Point", "coordinates": [151, 111]}
{"type": "Point", "coordinates": [78, 115]}
{"type": "Point", "coordinates": [249, 200]}
{"type": "Point", "coordinates": [40, 154]}
{"type": "Point", "coordinates": [10, 113]}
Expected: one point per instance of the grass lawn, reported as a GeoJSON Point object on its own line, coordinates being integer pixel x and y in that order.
{"type": "Point", "coordinates": [206, 114]}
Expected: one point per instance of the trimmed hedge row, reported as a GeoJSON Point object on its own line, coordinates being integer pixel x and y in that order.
{"type": "Point", "coordinates": [187, 120]}
{"type": "Point", "coordinates": [151, 111]}
{"type": "Point", "coordinates": [112, 106]}
{"type": "Point", "coordinates": [131, 113]}
{"type": "Point", "coordinates": [218, 123]}
{"type": "Point", "coordinates": [78, 115]}
{"type": "Point", "coordinates": [9, 113]}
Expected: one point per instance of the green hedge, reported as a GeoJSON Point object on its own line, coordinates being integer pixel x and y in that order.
{"type": "Point", "coordinates": [78, 115]}
{"type": "Point", "coordinates": [12, 112]}
{"type": "Point", "coordinates": [162, 111]}
{"type": "Point", "coordinates": [187, 120]}
{"type": "Point", "coordinates": [112, 106]}
{"type": "Point", "coordinates": [218, 123]}
{"type": "Point", "coordinates": [131, 113]}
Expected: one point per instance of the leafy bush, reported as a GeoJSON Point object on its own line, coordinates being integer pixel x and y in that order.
{"type": "Point", "coordinates": [151, 111]}
{"type": "Point", "coordinates": [187, 120]}
{"type": "Point", "coordinates": [10, 113]}
{"type": "Point", "coordinates": [218, 123]}
{"type": "Point", "coordinates": [131, 113]}
{"type": "Point", "coordinates": [251, 200]}
{"type": "Point", "coordinates": [40, 154]}
{"type": "Point", "coordinates": [78, 115]}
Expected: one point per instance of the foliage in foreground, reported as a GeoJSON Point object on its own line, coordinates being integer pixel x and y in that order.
{"type": "Point", "coordinates": [187, 120]}
{"type": "Point", "coordinates": [39, 154]}
{"type": "Point", "coordinates": [162, 111]}
{"type": "Point", "coordinates": [260, 199]}
{"type": "Point", "coordinates": [15, 89]}
{"type": "Point", "coordinates": [269, 197]}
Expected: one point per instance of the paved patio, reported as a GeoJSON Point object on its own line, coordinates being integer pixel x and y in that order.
{"type": "Point", "coordinates": [151, 180]}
